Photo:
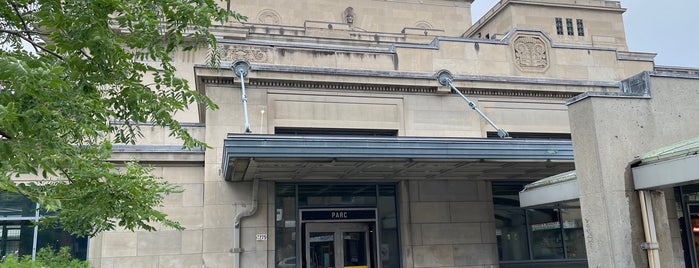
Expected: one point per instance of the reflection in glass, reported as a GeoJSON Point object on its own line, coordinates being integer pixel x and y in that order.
{"type": "Point", "coordinates": [322, 249]}
{"type": "Point", "coordinates": [285, 226]}
{"type": "Point", "coordinates": [355, 248]}
{"type": "Point", "coordinates": [546, 234]}
{"type": "Point", "coordinates": [511, 232]}
{"type": "Point", "coordinates": [573, 233]}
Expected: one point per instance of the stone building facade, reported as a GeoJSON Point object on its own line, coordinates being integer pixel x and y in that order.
{"type": "Point", "coordinates": [348, 118]}
{"type": "Point", "coordinates": [346, 151]}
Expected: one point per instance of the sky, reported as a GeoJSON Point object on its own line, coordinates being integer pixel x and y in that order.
{"type": "Point", "coordinates": [669, 28]}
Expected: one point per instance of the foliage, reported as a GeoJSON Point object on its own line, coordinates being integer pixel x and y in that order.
{"type": "Point", "coordinates": [45, 257]}
{"type": "Point", "coordinates": [58, 99]}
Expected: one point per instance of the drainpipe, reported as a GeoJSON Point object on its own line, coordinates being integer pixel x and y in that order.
{"type": "Point", "coordinates": [651, 243]}
{"type": "Point", "coordinates": [238, 218]}
{"type": "Point", "coordinates": [241, 68]}
{"type": "Point", "coordinates": [444, 77]}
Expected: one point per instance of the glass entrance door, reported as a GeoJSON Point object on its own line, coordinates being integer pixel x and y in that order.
{"type": "Point", "coordinates": [337, 245]}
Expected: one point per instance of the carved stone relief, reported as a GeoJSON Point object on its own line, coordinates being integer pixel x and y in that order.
{"type": "Point", "coordinates": [250, 53]}
{"type": "Point", "coordinates": [269, 16]}
{"type": "Point", "coordinates": [349, 15]}
{"type": "Point", "coordinates": [423, 25]}
{"type": "Point", "coordinates": [531, 53]}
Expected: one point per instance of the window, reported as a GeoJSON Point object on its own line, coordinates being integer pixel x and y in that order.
{"type": "Point", "coordinates": [550, 236]}
{"type": "Point", "coordinates": [559, 26]}
{"type": "Point", "coordinates": [569, 25]}
{"type": "Point", "coordinates": [581, 30]}
{"type": "Point", "coordinates": [17, 232]}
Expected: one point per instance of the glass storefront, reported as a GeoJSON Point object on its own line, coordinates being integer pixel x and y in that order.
{"type": "Point", "coordinates": [541, 237]}
{"type": "Point", "coordinates": [17, 230]}
{"type": "Point", "coordinates": [688, 216]}
{"type": "Point", "coordinates": [323, 224]}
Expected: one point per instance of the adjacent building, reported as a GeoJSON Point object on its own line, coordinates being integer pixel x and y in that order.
{"type": "Point", "coordinates": [336, 143]}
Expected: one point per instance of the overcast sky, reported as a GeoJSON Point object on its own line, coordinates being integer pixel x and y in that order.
{"type": "Point", "coordinates": [667, 27]}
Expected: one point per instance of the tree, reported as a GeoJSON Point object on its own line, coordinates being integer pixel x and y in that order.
{"type": "Point", "coordinates": [70, 67]}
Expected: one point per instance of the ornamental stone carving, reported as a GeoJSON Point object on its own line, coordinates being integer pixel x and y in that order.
{"type": "Point", "coordinates": [250, 53]}
{"type": "Point", "coordinates": [531, 53]}
{"type": "Point", "coordinates": [269, 16]}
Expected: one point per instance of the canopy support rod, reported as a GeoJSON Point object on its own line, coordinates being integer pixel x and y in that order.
{"type": "Point", "coordinates": [241, 68]}
{"type": "Point", "coordinates": [445, 78]}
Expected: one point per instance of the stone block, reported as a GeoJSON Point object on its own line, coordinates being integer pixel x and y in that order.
{"type": "Point", "coordinates": [183, 174]}
{"type": "Point", "coordinates": [192, 241]}
{"type": "Point", "coordinates": [188, 217]}
{"type": "Point", "coordinates": [451, 233]}
{"type": "Point", "coordinates": [471, 211]}
{"type": "Point", "coordinates": [217, 259]}
{"type": "Point", "coordinates": [433, 256]}
{"type": "Point", "coordinates": [429, 212]}
{"type": "Point", "coordinates": [159, 243]}
{"type": "Point", "coordinates": [104, 263]}
{"type": "Point", "coordinates": [475, 254]}
{"type": "Point", "coordinates": [219, 216]}
{"type": "Point", "coordinates": [119, 244]}
{"type": "Point", "coordinates": [181, 261]}
{"type": "Point", "coordinates": [193, 195]}
{"type": "Point", "coordinates": [452, 190]}
{"type": "Point", "coordinates": [218, 240]}
{"type": "Point", "coordinates": [136, 262]}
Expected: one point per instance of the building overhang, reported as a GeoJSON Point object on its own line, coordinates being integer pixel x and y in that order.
{"type": "Point", "coordinates": [670, 166]}
{"type": "Point", "coordinates": [549, 191]}
{"type": "Point", "coordinates": [277, 157]}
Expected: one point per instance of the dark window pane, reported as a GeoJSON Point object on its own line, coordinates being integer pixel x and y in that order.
{"type": "Point", "coordinates": [546, 234]}
{"type": "Point", "coordinates": [559, 26]}
{"type": "Point", "coordinates": [56, 238]}
{"type": "Point", "coordinates": [569, 25]}
{"type": "Point", "coordinates": [337, 195]}
{"type": "Point", "coordinates": [510, 223]}
{"type": "Point", "coordinates": [581, 30]}
{"type": "Point", "coordinates": [15, 205]}
{"type": "Point", "coordinates": [285, 226]}
{"type": "Point", "coordinates": [388, 222]}
{"type": "Point", "coordinates": [511, 233]}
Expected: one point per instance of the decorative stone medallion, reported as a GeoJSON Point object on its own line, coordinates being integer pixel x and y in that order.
{"type": "Point", "coordinates": [250, 53]}
{"type": "Point", "coordinates": [269, 16]}
{"type": "Point", "coordinates": [531, 53]}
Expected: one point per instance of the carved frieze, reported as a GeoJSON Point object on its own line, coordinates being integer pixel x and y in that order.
{"type": "Point", "coordinates": [531, 53]}
{"type": "Point", "coordinates": [250, 53]}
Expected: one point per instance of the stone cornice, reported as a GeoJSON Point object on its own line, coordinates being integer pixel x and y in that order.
{"type": "Point", "coordinates": [308, 85]}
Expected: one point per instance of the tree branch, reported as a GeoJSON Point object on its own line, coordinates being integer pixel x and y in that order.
{"type": "Point", "coordinates": [24, 23]}
{"type": "Point", "coordinates": [4, 135]}
{"type": "Point", "coordinates": [19, 34]}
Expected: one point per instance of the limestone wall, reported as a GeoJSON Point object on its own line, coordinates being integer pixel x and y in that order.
{"type": "Point", "coordinates": [448, 224]}
{"type": "Point", "coordinates": [369, 15]}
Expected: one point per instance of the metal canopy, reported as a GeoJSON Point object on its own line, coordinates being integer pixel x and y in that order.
{"type": "Point", "coordinates": [277, 157]}
{"type": "Point", "coordinates": [669, 166]}
{"type": "Point", "coordinates": [552, 190]}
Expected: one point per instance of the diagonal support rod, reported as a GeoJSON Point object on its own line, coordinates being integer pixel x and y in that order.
{"type": "Point", "coordinates": [241, 68]}
{"type": "Point", "coordinates": [445, 78]}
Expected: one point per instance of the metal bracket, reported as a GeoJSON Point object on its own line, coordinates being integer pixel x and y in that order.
{"type": "Point", "coordinates": [241, 67]}
{"type": "Point", "coordinates": [445, 77]}
{"type": "Point", "coordinates": [649, 246]}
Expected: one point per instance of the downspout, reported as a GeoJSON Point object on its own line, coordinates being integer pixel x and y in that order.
{"type": "Point", "coordinates": [651, 243]}
{"type": "Point", "coordinates": [238, 218]}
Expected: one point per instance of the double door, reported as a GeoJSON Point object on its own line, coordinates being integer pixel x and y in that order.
{"type": "Point", "coordinates": [339, 245]}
